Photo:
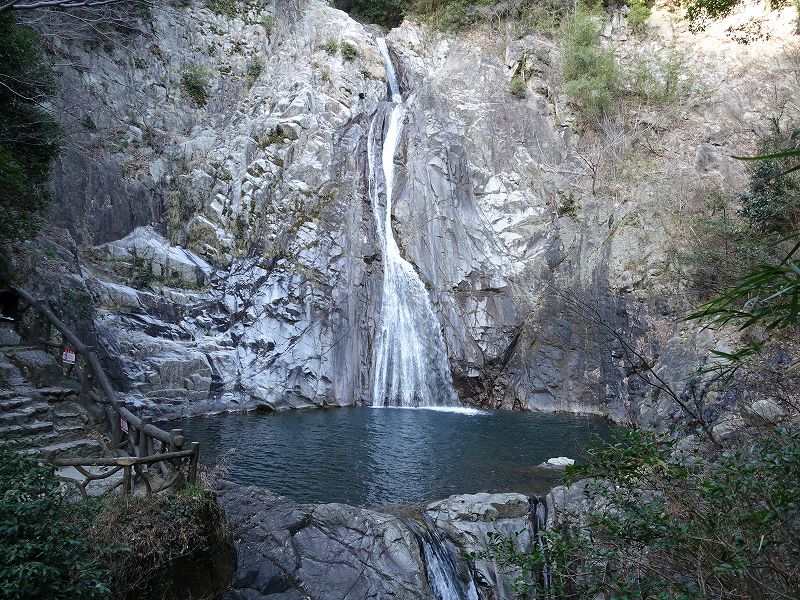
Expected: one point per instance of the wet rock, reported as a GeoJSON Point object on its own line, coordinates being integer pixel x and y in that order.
{"type": "Point", "coordinates": [557, 463]}
{"type": "Point", "coordinates": [322, 552]}
{"type": "Point", "coordinates": [467, 520]}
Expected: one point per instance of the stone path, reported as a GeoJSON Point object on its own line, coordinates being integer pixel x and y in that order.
{"type": "Point", "coordinates": [39, 409]}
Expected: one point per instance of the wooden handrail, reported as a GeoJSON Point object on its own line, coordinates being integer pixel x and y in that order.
{"type": "Point", "coordinates": [131, 465]}
{"type": "Point", "coordinates": [121, 461]}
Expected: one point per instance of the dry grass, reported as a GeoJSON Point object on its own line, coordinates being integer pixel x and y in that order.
{"type": "Point", "coordinates": [164, 546]}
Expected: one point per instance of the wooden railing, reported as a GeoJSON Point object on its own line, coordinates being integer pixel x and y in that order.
{"type": "Point", "coordinates": [146, 449]}
{"type": "Point", "coordinates": [137, 469]}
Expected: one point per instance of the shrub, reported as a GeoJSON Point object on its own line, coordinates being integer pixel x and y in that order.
{"type": "Point", "coordinates": [772, 203]}
{"type": "Point", "coordinates": [88, 123]}
{"type": "Point", "coordinates": [517, 87]}
{"type": "Point", "coordinates": [541, 15]}
{"type": "Point", "coordinates": [195, 80]}
{"type": "Point", "coordinates": [568, 208]}
{"type": "Point", "coordinates": [197, 555]}
{"type": "Point", "coordinates": [721, 249]}
{"type": "Point", "coordinates": [455, 14]}
{"type": "Point", "coordinates": [659, 80]}
{"type": "Point", "coordinates": [797, 18]}
{"type": "Point", "coordinates": [253, 70]}
{"type": "Point", "coordinates": [638, 13]}
{"type": "Point", "coordinates": [331, 46]}
{"type": "Point", "coordinates": [349, 51]}
{"type": "Point", "coordinates": [667, 524]}
{"type": "Point", "coordinates": [268, 22]}
{"type": "Point", "coordinates": [388, 13]}
{"type": "Point", "coordinates": [590, 71]}
{"type": "Point", "coordinates": [227, 8]}
{"type": "Point", "coordinates": [43, 551]}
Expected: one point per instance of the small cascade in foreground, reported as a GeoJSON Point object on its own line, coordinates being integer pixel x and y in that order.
{"type": "Point", "coordinates": [441, 565]}
{"type": "Point", "coordinates": [538, 519]}
{"type": "Point", "coordinates": [409, 363]}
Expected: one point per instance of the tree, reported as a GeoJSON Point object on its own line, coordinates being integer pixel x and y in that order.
{"type": "Point", "coordinates": [384, 12]}
{"type": "Point", "coordinates": [663, 525]}
{"type": "Point", "coordinates": [32, 4]}
{"type": "Point", "coordinates": [767, 297]}
{"type": "Point", "coordinates": [28, 132]}
{"type": "Point", "coordinates": [700, 12]}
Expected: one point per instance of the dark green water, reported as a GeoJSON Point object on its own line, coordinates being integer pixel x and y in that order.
{"type": "Point", "coordinates": [374, 456]}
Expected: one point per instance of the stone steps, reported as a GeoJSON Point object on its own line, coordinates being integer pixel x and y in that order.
{"type": "Point", "coordinates": [57, 393]}
{"type": "Point", "coordinates": [34, 441]}
{"type": "Point", "coordinates": [14, 402]}
{"type": "Point", "coordinates": [40, 416]}
{"type": "Point", "coordinates": [63, 428]}
{"type": "Point", "coordinates": [14, 433]}
{"type": "Point", "coordinates": [83, 447]}
{"type": "Point", "coordinates": [23, 414]}
{"type": "Point", "coordinates": [18, 348]}
{"type": "Point", "coordinates": [7, 394]}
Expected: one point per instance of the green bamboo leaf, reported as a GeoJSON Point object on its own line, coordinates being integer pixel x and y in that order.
{"type": "Point", "coordinates": [773, 156]}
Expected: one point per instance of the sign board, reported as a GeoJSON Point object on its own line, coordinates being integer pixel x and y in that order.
{"type": "Point", "coordinates": [68, 356]}
{"type": "Point", "coordinates": [123, 425]}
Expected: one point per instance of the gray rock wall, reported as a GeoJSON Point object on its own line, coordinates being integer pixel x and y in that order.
{"type": "Point", "coordinates": [228, 249]}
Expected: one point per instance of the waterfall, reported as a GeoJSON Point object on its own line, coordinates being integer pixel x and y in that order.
{"type": "Point", "coordinates": [441, 566]}
{"type": "Point", "coordinates": [538, 520]}
{"type": "Point", "coordinates": [409, 363]}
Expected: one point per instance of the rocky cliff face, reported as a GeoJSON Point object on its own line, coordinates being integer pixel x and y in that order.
{"type": "Point", "coordinates": [336, 552]}
{"type": "Point", "coordinates": [220, 242]}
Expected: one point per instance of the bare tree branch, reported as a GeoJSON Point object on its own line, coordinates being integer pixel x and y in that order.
{"type": "Point", "coordinates": [655, 380]}
{"type": "Point", "coordinates": [28, 5]}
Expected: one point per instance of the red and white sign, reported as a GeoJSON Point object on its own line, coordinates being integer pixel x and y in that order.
{"type": "Point", "coordinates": [68, 356]}
{"type": "Point", "coordinates": [123, 425]}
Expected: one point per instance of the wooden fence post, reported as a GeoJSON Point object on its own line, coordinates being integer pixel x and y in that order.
{"type": "Point", "coordinates": [193, 462]}
{"type": "Point", "coordinates": [126, 479]}
{"type": "Point", "coordinates": [175, 439]}
{"type": "Point", "coordinates": [116, 433]}
{"type": "Point", "coordinates": [143, 437]}
{"type": "Point", "coordinates": [142, 434]}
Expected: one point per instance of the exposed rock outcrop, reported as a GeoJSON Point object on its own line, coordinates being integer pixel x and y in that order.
{"type": "Point", "coordinates": [341, 552]}
{"type": "Point", "coordinates": [221, 250]}
{"type": "Point", "coordinates": [320, 552]}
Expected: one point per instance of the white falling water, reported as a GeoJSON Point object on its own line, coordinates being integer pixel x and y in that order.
{"type": "Point", "coordinates": [440, 565]}
{"type": "Point", "coordinates": [409, 365]}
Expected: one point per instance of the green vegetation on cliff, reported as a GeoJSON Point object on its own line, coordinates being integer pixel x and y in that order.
{"type": "Point", "coordinates": [449, 15]}
{"type": "Point", "coordinates": [590, 72]}
{"type": "Point", "coordinates": [28, 133]}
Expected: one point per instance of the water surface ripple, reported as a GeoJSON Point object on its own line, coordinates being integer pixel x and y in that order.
{"type": "Point", "coordinates": [374, 456]}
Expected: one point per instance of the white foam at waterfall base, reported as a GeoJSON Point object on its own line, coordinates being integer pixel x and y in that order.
{"type": "Point", "coordinates": [460, 410]}
{"type": "Point", "coordinates": [409, 362]}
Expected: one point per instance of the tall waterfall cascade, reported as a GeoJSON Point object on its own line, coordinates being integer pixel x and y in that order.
{"type": "Point", "coordinates": [409, 362]}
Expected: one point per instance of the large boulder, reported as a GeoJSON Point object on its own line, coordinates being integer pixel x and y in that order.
{"type": "Point", "coordinates": [320, 552]}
